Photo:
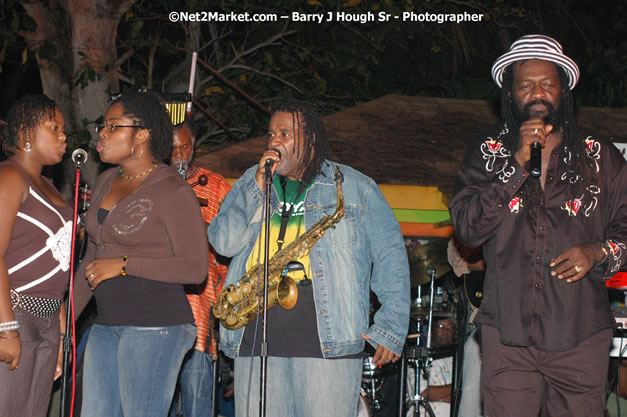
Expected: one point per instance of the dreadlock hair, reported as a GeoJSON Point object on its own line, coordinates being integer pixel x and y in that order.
{"type": "Point", "coordinates": [23, 117]}
{"type": "Point", "coordinates": [147, 108]}
{"type": "Point", "coordinates": [316, 143]}
{"type": "Point", "coordinates": [580, 167]}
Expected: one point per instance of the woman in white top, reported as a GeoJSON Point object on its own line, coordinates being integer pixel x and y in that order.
{"type": "Point", "coordinates": [35, 240]}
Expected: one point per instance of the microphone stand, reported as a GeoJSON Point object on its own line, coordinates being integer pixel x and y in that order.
{"type": "Point", "coordinates": [422, 356]}
{"type": "Point", "coordinates": [264, 321]}
{"type": "Point", "coordinates": [68, 339]}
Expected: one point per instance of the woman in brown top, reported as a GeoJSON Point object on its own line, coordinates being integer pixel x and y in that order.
{"type": "Point", "coordinates": [146, 239]}
{"type": "Point", "coordinates": [35, 239]}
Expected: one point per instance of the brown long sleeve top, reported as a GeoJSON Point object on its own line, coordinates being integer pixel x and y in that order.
{"type": "Point", "coordinates": [160, 228]}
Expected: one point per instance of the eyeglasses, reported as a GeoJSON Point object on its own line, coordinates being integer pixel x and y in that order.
{"type": "Point", "coordinates": [111, 128]}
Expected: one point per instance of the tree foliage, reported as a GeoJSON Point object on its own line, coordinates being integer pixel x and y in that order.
{"type": "Point", "coordinates": [335, 64]}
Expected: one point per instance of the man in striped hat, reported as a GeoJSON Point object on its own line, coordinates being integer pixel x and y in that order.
{"type": "Point", "coordinates": [546, 203]}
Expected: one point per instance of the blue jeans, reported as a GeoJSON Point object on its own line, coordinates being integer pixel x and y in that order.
{"type": "Point", "coordinates": [299, 387]}
{"type": "Point", "coordinates": [196, 386]}
{"type": "Point", "coordinates": [131, 371]}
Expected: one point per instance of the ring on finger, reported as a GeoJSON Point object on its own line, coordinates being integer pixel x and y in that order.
{"type": "Point", "coordinates": [92, 276]}
{"type": "Point", "coordinates": [578, 268]}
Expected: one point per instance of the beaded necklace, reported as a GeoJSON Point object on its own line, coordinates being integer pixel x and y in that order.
{"type": "Point", "coordinates": [129, 177]}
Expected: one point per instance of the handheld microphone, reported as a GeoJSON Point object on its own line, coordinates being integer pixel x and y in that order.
{"type": "Point", "coordinates": [79, 157]}
{"type": "Point", "coordinates": [269, 161]}
{"type": "Point", "coordinates": [535, 162]}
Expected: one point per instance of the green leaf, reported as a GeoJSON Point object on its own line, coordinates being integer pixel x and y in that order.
{"type": "Point", "coordinates": [47, 51]}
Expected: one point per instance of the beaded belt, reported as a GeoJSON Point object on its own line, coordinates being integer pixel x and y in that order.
{"type": "Point", "coordinates": [37, 306]}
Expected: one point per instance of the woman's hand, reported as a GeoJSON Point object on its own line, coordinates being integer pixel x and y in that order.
{"type": "Point", "coordinates": [10, 348]}
{"type": "Point", "coordinates": [59, 368]}
{"type": "Point", "coordinates": [103, 269]}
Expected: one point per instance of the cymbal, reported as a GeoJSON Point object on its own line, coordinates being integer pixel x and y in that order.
{"type": "Point", "coordinates": [432, 253]}
{"type": "Point", "coordinates": [423, 313]}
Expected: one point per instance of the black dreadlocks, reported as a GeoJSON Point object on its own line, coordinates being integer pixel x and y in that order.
{"type": "Point", "coordinates": [23, 117]}
{"type": "Point", "coordinates": [580, 168]}
{"type": "Point", "coordinates": [147, 108]}
{"type": "Point", "coordinates": [316, 143]}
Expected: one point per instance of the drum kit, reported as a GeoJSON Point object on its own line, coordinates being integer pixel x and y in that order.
{"type": "Point", "coordinates": [428, 264]}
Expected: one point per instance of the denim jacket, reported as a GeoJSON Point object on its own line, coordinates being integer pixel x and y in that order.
{"type": "Point", "coordinates": [364, 251]}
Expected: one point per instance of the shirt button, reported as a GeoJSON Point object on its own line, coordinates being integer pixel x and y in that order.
{"type": "Point", "coordinates": [541, 227]}
{"type": "Point", "coordinates": [538, 285]}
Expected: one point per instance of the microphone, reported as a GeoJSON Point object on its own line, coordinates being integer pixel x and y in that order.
{"type": "Point", "coordinates": [79, 157]}
{"type": "Point", "coordinates": [269, 161]}
{"type": "Point", "coordinates": [535, 162]}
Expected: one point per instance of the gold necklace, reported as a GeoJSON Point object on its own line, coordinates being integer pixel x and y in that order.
{"type": "Point", "coordinates": [129, 177]}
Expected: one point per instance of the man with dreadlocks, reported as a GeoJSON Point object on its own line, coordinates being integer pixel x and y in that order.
{"type": "Point", "coordinates": [549, 243]}
{"type": "Point", "coordinates": [314, 350]}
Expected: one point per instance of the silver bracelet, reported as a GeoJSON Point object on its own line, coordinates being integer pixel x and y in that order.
{"type": "Point", "coordinates": [9, 325]}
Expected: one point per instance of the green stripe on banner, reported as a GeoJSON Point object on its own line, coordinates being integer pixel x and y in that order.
{"type": "Point", "coordinates": [421, 216]}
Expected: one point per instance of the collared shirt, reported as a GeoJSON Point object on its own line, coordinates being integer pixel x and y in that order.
{"type": "Point", "coordinates": [520, 297]}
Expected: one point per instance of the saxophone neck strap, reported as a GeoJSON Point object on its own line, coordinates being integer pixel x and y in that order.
{"type": "Point", "coordinates": [339, 177]}
{"type": "Point", "coordinates": [286, 213]}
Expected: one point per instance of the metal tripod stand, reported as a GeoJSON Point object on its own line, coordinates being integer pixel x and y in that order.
{"type": "Point", "coordinates": [422, 358]}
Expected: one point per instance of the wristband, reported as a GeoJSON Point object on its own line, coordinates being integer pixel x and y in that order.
{"type": "Point", "coordinates": [124, 259]}
{"type": "Point", "coordinates": [9, 326]}
{"type": "Point", "coordinates": [606, 253]}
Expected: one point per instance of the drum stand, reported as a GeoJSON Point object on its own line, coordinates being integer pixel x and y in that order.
{"type": "Point", "coordinates": [371, 392]}
{"type": "Point", "coordinates": [422, 357]}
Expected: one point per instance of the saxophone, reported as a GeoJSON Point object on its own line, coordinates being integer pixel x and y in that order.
{"type": "Point", "coordinates": [238, 304]}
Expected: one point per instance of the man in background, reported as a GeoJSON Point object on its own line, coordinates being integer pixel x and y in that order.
{"type": "Point", "coordinates": [196, 377]}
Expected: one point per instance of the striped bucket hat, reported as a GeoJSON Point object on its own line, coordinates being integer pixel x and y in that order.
{"type": "Point", "coordinates": [536, 47]}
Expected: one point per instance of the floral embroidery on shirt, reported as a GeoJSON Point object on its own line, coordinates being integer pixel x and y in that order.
{"type": "Point", "coordinates": [616, 251]}
{"type": "Point", "coordinates": [572, 206]}
{"type": "Point", "coordinates": [594, 150]}
{"type": "Point", "coordinates": [589, 207]}
{"type": "Point", "coordinates": [492, 149]}
{"type": "Point", "coordinates": [506, 172]}
{"type": "Point", "coordinates": [589, 199]}
{"type": "Point", "coordinates": [515, 204]}
{"type": "Point", "coordinates": [569, 174]}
